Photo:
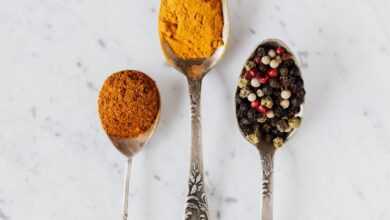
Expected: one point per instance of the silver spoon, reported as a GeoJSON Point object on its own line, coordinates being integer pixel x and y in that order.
{"type": "Point", "coordinates": [267, 151]}
{"type": "Point", "coordinates": [195, 70]}
{"type": "Point", "coordinates": [129, 147]}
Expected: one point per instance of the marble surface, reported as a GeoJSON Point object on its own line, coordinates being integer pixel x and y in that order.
{"type": "Point", "coordinates": [56, 163]}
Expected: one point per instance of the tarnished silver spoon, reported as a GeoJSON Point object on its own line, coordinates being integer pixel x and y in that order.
{"type": "Point", "coordinates": [195, 70]}
{"type": "Point", "coordinates": [267, 149]}
{"type": "Point", "coordinates": [131, 146]}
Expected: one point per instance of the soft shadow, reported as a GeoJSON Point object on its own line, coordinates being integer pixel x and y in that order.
{"type": "Point", "coordinates": [240, 32]}
{"type": "Point", "coordinates": [173, 93]}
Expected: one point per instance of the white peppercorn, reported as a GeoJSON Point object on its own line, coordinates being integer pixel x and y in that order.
{"type": "Point", "coordinates": [274, 64]}
{"type": "Point", "coordinates": [285, 94]}
{"type": "Point", "coordinates": [260, 93]}
{"type": "Point", "coordinates": [255, 83]}
{"type": "Point", "coordinates": [271, 53]}
{"type": "Point", "coordinates": [270, 114]}
{"type": "Point", "coordinates": [265, 60]}
{"type": "Point", "coordinates": [252, 97]}
{"type": "Point", "coordinates": [285, 103]}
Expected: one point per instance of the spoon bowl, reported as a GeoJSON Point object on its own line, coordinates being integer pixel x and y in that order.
{"type": "Point", "coordinates": [276, 42]}
{"type": "Point", "coordinates": [131, 146]}
{"type": "Point", "coordinates": [197, 68]}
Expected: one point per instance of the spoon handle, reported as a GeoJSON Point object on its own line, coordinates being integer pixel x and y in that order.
{"type": "Point", "coordinates": [267, 160]}
{"type": "Point", "coordinates": [196, 201]}
{"type": "Point", "coordinates": [125, 212]}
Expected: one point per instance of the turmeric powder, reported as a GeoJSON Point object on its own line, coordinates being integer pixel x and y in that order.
{"type": "Point", "coordinates": [192, 28]}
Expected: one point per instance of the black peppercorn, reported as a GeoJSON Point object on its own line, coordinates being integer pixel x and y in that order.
{"type": "Point", "coordinates": [294, 102]}
{"type": "Point", "coordinates": [253, 115]}
{"type": "Point", "coordinates": [288, 63]}
{"type": "Point", "coordinates": [282, 125]}
{"type": "Point", "coordinates": [267, 90]}
{"type": "Point", "coordinates": [279, 111]}
{"type": "Point", "coordinates": [238, 100]}
{"type": "Point", "coordinates": [245, 122]}
{"type": "Point", "coordinates": [283, 71]}
{"type": "Point", "coordinates": [261, 51]}
{"type": "Point", "coordinates": [295, 71]}
{"type": "Point", "coordinates": [262, 68]}
{"type": "Point", "coordinates": [246, 129]}
{"type": "Point", "coordinates": [274, 83]}
{"type": "Point", "coordinates": [266, 128]}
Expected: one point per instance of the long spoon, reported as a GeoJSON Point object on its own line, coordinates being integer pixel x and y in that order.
{"type": "Point", "coordinates": [195, 70]}
{"type": "Point", "coordinates": [129, 147]}
{"type": "Point", "coordinates": [267, 152]}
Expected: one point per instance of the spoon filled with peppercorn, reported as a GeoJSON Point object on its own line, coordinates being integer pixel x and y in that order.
{"type": "Point", "coordinates": [269, 101]}
{"type": "Point", "coordinates": [193, 36]}
{"type": "Point", "coordinates": [129, 110]}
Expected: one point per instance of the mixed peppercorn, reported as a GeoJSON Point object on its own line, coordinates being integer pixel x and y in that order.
{"type": "Point", "coordinates": [269, 95]}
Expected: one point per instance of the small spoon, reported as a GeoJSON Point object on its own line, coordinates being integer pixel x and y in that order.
{"type": "Point", "coordinates": [129, 147]}
{"type": "Point", "coordinates": [267, 150]}
{"type": "Point", "coordinates": [195, 70]}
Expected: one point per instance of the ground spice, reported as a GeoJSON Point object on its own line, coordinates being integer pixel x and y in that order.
{"type": "Point", "coordinates": [192, 28]}
{"type": "Point", "coordinates": [128, 103]}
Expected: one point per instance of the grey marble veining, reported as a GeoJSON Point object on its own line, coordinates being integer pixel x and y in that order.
{"type": "Point", "coordinates": [56, 163]}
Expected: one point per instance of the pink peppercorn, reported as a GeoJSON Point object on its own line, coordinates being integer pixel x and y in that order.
{"type": "Point", "coordinates": [263, 79]}
{"type": "Point", "coordinates": [272, 73]}
{"type": "Point", "coordinates": [262, 109]}
{"type": "Point", "coordinates": [280, 50]}
{"type": "Point", "coordinates": [255, 104]}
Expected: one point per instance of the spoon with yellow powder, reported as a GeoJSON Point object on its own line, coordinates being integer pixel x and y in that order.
{"type": "Point", "coordinates": [129, 110]}
{"type": "Point", "coordinates": [193, 36]}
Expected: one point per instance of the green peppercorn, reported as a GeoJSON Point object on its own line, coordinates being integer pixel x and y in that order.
{"type": "Point", "coordinates": [244, 93]}
{"type": "Point", "coordinates": [242, 83]}
{"type": "Point", "coordinates": [294, 122]}
{"type": "Point", "coordinates": [250, 65]}
{"type": "Point", "coordinates": [252, 138]}
{"type": "Point", "coordinates": [267, 102]}
{"type": "Point", "coordinates": [278, 142]}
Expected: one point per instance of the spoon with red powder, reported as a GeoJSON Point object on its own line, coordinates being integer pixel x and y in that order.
{"type": "Point", "coordinates": [129, 110]}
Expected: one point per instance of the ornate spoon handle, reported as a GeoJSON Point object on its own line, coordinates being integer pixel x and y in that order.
{"type": "Point", "coordinates": [125, 212]}
{"type": "Point", "coordinates": [267, 160]}
{"type": "Point", "coordinates": [196, 202]}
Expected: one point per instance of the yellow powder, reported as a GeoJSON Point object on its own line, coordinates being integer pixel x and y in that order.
{"type": "Point", "coordinates": [192, 28]}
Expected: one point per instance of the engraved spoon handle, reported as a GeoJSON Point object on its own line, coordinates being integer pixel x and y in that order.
{"type": "Point", "coordinates": [196, 201]}
{"type": "Point", "coordinates": [125, 212]}
{"type": "Point", "coordinates": [267, 160]}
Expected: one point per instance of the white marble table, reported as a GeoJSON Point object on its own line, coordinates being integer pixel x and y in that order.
{"type": "Point", "coordinates": [56, 163]}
